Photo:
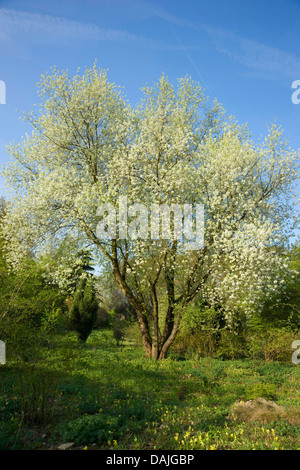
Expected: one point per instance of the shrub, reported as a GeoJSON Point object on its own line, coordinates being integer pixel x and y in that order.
{"type": "Point", "coordinates": [9, 435]}
{"type": "Point", "coordinates": [272, 344]}
{"type": "Point", "coordinates": [133, 334]}
{"type": "Point", "coordinates": [119, 326]}
{"type": "Point", "coordinates": [200, 330]}
{"type": "Point", "coordinates": [90, 429]}
{"type": "Point", "coordinates": [232, 345]}
{"type": "Point", "coordinates": [36, 393]}
{"type": "Point", "coordinates": [257, 390]}
{"type": "Point", "coordinates": [199, 342]}
{"type": "Point", "coordinates": [83, 312]}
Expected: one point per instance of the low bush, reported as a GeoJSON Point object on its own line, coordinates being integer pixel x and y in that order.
{"type": "Point", "coordinates": [90, 429]}
{"type": "Point", "coordinates": [200, 343]}
{"type": "Point", "coordinates": [83, 311]}
{"type": "Point", "coordinates": [37, 392]}
{"type": "Point", "coordinates": [232, 345]}
{"type": "Point", "coordinates": [272, 344]}
{"type": "Point", "coordinates": [257, 390]}
{"type": "Point", "coordinates": [133, 335]}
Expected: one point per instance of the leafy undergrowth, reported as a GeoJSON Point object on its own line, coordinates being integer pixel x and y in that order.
{"type": "Point", "coordinates": [102, 396]}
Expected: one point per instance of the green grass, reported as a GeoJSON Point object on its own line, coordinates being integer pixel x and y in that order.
{"type": "Point", "coordinates": [101, 396]}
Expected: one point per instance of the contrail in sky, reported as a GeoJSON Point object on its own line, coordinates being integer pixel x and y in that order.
{"type": "Point", "coordinates": [190, 59]}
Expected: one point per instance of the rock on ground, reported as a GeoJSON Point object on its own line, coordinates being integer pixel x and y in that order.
{"type": "Point", "coordinates": [260, 409]}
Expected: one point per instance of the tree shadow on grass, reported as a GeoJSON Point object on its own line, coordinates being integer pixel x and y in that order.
{"type": "Point", "coordinates": [91, 393]}
{"type": "Point", "coordinates": [45, 405]}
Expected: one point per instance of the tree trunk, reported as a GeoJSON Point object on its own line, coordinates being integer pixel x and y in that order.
{"type": "Point", "coordinates": [144, 329]}
{"type": "Point", "coordinates": [142, 319]}
{"type": "Point", "coordinates": [156, 345]}
{"type": "Point", "coordinates": [166, 346]}
{"type": "Point", "coordinates": [155, 327]}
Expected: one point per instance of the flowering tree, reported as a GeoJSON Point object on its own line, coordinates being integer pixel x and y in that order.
{"type": "Point", "coordinates": [90, 149]}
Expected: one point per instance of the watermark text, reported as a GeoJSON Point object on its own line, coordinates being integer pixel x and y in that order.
{"type": "Point", "coordinates": [295, 358]}
{"type": "Point", "coordinates": [2, 352]}
{"type": "Point", "coordinates": [160, 221]}
{"type": "Point", "coordinates": [2, 92]}
{"type": "Point", "coordinates": [296, 94]}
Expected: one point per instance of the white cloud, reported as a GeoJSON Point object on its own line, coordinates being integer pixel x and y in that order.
{"type": "Point", "coordinates": [144, 9]}
{"type": "Point", "coordinates": [257, 56]}
{"type": "Point", "coordinates": [14, 23]}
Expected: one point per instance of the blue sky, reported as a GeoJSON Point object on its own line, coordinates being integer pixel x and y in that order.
{"type": "Point", "coordinates": [246, 53]}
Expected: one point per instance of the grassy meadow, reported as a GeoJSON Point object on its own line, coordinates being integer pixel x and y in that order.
{"type": "Point", "coordinates": [100, 395]}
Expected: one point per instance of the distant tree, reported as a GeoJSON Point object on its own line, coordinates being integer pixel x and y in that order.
{"type": "Point", "coordinates": [25, 294]}
{"type": "Point", "coordinates": [83, 312]}
{"type": "Point", "coordinates": [82, 268]}
{"type": "Point", "coordinates": [65, 263]}
{"type": "Point", "coordinates": [112, 298]}
{"type": "Point", "coordinates": [282, 309]}
{"type": "Point", "coordinates": [30, 307]}
{"type": "Point", "coordinates": [119, 326]}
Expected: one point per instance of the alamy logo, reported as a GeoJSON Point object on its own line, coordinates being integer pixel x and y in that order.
{"type": "Point", "coordinates": [296, 94]}
{"type": "Point", "coordinates": [2, 352]}
{"type": "Point", "coordinates": [168, 222]}
{"type": "Point", "coordinates": [295, 358]}
{"type": "Point", "coordinates": [2, 92]}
